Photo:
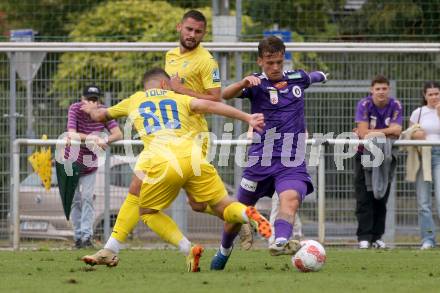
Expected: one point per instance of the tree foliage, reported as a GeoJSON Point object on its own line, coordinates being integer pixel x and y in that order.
{"type": "Point", "coordinates": [48, 17]}
{"type": "Point", "coordinates": [382, 20]}
{"type": "Point", "coordinates": [144, 21]}
{"type": "Point", "coordinates": [307, 18]}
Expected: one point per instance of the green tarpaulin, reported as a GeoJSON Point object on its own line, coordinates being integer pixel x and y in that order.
{"type": "Point", "coordinates": [67, 185]}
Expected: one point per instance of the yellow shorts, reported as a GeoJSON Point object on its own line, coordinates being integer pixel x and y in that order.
{"type": "Point", "coordinates": [163, 182]}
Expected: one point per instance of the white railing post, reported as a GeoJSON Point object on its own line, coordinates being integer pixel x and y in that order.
{"type": "Point", "coordinates": [15, 215]}
{"type": "Point", "coordinates": [321, 195]}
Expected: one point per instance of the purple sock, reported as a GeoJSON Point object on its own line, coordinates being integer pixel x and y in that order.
{"type": "Point", "coordinates": [283, 229]}
{"type": "Point", "coordinates": [228, 239]}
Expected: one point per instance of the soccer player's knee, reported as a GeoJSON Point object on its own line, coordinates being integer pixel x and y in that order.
{"type": "Point", "coordinates": [147, 211]}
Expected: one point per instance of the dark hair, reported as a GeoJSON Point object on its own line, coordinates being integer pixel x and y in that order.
{"type": "Point", "coordinates": [271, 45]}
{"type": "Point", "coordinates": [380, 79]}
{"type": "Point", "coordinates": [429, 85]}
{"type": "Point", "coordinates": [154, 73]}
{"type": "Point", "coordinates": [194, 14]}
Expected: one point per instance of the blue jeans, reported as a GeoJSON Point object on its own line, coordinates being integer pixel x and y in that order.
{"type": "Point", "coordinates": [82, 214]}
{"type": "Point", "coordinates": [424, 198]}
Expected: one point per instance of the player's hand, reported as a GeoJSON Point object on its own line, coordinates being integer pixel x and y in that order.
{"type": "Point", "coordinates": [326, 75]}
{"type": "Point", "coordinates": [257, 121]}
{"type": "Point", "coordinates": [250, 81]}
{"type": "Point", "coordinates": [176, 83]}
{"type": "Point", "coordinates": [89, 106]}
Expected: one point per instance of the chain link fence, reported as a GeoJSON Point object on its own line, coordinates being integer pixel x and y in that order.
{"type": "Point", "coordinates": [318, 20]}
{"type": "Point", "coordinates": [329, 108]}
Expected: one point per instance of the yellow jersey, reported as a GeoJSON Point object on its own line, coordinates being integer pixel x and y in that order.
{"type": "Point", "coordinates": [198, 71]}
{"type": "Point", "coordinates": [197, 68]}
{"type": "Point", "coordinates": [163, 121]}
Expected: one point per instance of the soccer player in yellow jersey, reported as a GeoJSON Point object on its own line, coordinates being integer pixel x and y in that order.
{"type": "Point", "coordinates": [194, 72]}
{"type": "Point", "coordinates": [195, 66]}
{"type": "Point", "coordinates": [171, 160]}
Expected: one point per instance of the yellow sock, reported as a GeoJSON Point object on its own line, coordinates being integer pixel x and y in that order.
{"type": "Point", "coordinates": [235, 213]}
{"type": "Point", "coordinates": [127, 219]}
{"type": "Point", "coordinates": [163, 226]}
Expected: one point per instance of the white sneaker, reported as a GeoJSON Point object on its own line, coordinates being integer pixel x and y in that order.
{"type": "Point", "coordinates": [364, 244]}
{"type": "Point", "coordinates": [379, 244]}
{"type": "Point", "coordinates": [426, 246]}
{"type": "Point", "coordinates": [284, 248]}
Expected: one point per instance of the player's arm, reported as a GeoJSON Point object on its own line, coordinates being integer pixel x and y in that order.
{"type": "Point", "coordinates": [106, 114]}
{"type": "Point", "coordinates": [318, 76]}
{"type": "Point", "coordinates": [202, 106]}
{"type": "Point", "coordinates": [97, 114]}
{"type": "Point", "coordinates": [212, 94]}
{"type": "Point", "coordinates": [234, 90]}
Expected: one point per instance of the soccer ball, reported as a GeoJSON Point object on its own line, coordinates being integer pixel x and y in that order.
{"type": "Point", "coordinates": [310, 257]}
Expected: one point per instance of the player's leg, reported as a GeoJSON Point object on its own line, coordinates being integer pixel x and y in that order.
{"type": "Point", "coordinates": [126, 221]}
{"type": "Point", "coordinates": [167, 229]}
{"type": "Point", "coordinates": [230, 232]}
{"type": "Point", "coordinates": [154, 197]}
{"type": "Point", "coordinates": [291, 193]}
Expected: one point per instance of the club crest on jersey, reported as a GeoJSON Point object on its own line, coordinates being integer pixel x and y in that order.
{"type": "Point", "coordinates": [296, 91]}
{"type": "Point", "coordinates": [280, 85]}
{"type": "Point", "coordinates": [273, 95]}
{"type": "Point", "coordinates": [216, 75]}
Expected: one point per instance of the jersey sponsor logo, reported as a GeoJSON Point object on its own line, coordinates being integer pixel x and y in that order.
{"type": "Point", "coordinates": [248, 185]}
{"type": "Point", "coordinates": [216, 75]}
{"type": "Point", "coordinates": [296, 91]}
{"type": "Point", "coordinates": [280, 85]}
{"type": "Point", "coordinates": [273, 95]}
{"type": "Point", "coordinates": [295, 75]}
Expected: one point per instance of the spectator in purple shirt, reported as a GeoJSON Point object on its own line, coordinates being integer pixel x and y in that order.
{"type": "Point", "coordinates": [278, 155]}
{"type": "Point", "coordinates": [376, 114]}
{"type": "Point", "coordinates": [79, 124]}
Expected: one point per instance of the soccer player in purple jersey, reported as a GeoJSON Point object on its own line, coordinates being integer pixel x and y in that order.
{"type": "Point", "coordinates": [278, 156]}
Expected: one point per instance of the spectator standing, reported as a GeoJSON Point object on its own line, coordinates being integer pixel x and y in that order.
{"type": "Point", "coordinates": [425, 125]}
{"type": "Point", "coordinates": [79, 123]}
{"type": "Point", "coordinates": [377, 114]}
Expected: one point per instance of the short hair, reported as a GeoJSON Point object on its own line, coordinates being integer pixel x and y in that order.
{"type": "Point", "coordinates": [196, 15]}
{"type": "Point", "coordinates": [429, 85]}
{"type": "Point", "coordinates": [379, 79]}
{"type": "Point", "coordinates": [271, 45]}
{"type": "Point", "coordinates": [154, 73]}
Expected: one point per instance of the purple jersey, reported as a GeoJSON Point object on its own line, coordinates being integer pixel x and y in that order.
{"type": "Point", "coordinates": [82, 123]}
{"type": "Point", "coordinates": [282, 103]}
{"type": "Point", "coordinates": [378, 118]}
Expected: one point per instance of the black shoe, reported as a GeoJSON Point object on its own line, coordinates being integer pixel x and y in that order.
{"type": "Point", "coordinates": [87, 243]}
{"type": "Point", "coordinates": [78, 244]}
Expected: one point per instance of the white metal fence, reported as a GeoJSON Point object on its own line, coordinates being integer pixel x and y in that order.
{"type": "Point", "coordinates": [39, 219]}
{"type": "Point", "coordinates": [38, 105]}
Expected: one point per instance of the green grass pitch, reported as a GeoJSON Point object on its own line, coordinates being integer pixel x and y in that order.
{"type": "Point", "coordinates": [346, 270]}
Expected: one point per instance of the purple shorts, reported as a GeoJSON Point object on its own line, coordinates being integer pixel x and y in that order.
{"type": "Point", "coordinates": [258, 181]}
